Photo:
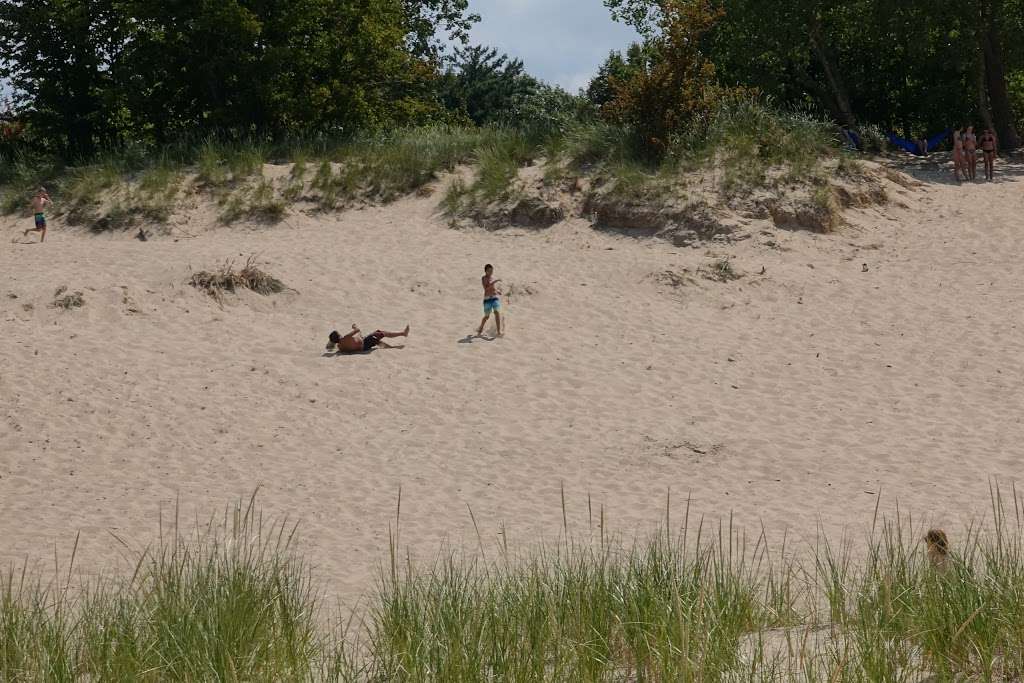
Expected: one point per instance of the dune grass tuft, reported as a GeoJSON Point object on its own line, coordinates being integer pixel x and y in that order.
{"type": "Point", "coordinates": [67, 301]}
{"type": "Point", "coordinates": [720, 270]}
{"type": "Point", "coordinates": [226, 279]}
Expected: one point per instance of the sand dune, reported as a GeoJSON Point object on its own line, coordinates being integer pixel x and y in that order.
{"type": "Point", "coordinates": [792, 398]}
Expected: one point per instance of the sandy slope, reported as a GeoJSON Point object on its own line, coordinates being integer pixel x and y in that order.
{"type": "Point", "coordinates": [792, 397]}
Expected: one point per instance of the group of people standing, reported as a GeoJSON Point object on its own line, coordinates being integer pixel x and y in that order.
{"type": "Point", "coordinates": [965, 153]}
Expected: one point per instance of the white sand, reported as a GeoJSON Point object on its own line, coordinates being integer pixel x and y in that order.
{"type": "Point", "coordinates": [791, 398]}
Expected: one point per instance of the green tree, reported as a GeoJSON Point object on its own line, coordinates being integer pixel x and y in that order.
{"type": "Point", "coordinates": [57, 59]}
{"type": "Point", "coordinates": [485, 85]}
{"type": "Point", "coordinates": [430, 22]}
{"type": "Point", "coordinates": [273, 66]}
{"type": "Point", "coordinates": [677, 88]}
{"type": "Point", "coordinates": [191, 67]}
{"type": "Point", "coordinates": [618, 68]}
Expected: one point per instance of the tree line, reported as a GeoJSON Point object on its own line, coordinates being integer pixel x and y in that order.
{"type": "Point", "coordinates": [914, 66]}
{"type": "Point", "coordinates": [89, 74]}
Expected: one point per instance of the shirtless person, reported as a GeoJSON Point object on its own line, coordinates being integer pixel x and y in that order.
{"type": "Point", "coordinates": [39, 204]}
{"type": "Point", "coordinates": [989, 148]}
{"type": "Point", "coordinates": [355, 342]}
{"type": "Point", "coordinates": [492, 299]}
{"type": "Point", "coordinates": [971, 153]}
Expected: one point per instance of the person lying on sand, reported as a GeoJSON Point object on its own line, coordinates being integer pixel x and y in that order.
{"type": "Point", "coordinates": [355, 342]}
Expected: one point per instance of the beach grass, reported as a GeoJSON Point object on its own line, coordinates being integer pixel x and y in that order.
{"type": "Point", "coordinates": [748, 144]}
{"type": "Point", "coordinates": [227, 279]}
{"type": "Point", "coordinates": [234, 600]}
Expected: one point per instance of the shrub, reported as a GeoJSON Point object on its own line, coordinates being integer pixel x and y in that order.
{"type": "Point", "coordinates": [674, 90]}
{"type": "Point", "coordinates": [227, 279]}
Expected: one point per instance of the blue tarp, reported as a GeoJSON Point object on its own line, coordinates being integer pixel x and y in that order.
{"type": "Point", "coordinates": [913, 148]}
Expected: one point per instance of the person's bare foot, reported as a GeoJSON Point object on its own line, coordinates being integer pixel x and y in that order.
{"type": "Point", "coordinates": [406, 332]}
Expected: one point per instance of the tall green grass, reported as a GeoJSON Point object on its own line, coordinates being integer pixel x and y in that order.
{"type": "Point", "coordinates": [232, 600]}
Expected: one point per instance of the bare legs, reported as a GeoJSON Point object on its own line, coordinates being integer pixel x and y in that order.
{"type": "Point", "coordinates": [990, 166]}
{"type": "Point", "coordinates": [392, 335]}
{"type": "Point", "coordinates": [41, 231]}
{"type": "Point", "coordinates": [497, 320]}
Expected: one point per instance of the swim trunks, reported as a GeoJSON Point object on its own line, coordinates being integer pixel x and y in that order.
{"type": "Point", "coordinates": [492, 305]}
{"type": "Point", "coordinates": [372, 340]}
{"type": "Point", "coordinates": [40, 220]}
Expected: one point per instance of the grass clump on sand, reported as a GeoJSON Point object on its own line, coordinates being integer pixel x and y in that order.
{"type": "Point", "coordinates": [745, 145]}
{"type": "Point", "coordinates": [720, 270]}
{"type": "Point", "coordinates": [67, 301]}
{"type": "Point", "coordinates": [756, 146]}
{"type": "Point", "coordinates": [228, 279]}
{"type": "Point", "coordinates": [498, 160]}
{"type": "Point", "coordinates": [382, 168]}
{"type": "Point", "coordinates": [233, 601]}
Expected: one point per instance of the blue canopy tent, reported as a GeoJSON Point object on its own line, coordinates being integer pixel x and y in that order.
{"type": "Point", "coordinates": [913, 147]}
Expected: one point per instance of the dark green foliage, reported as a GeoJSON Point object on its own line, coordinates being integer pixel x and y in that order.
{"type": "Point", "coordinates": [484, 85]}
{"type": "Point", "coordinates": [89, 74]}
{"type": "Point", "coordinates": [915, 67]}
{"type": "Point", "coordinates": [425, 19]}
{"type": "Point", "coordinates": [58, 57]}
{"type": "Point", "coordinates": [619, 69]}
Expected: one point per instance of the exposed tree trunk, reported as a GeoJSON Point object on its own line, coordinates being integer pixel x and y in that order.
{"type": "Point", "coordinates": [982, 91]}
{"type": "Point", "coordinates": [841, 108]}
{"type": "Point", "coordinates": [995, 78]}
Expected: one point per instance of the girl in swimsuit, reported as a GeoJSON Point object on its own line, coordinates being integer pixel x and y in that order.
{"type": "Point", "coordinates": [971, 152]}
{"type": "Point", "coordinates": [958, 155]}
{"type": "Point", "coordinates": [988, 148]}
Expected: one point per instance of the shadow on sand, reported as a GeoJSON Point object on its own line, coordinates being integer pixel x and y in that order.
{"type": "Point", "coordinates": [938, 168]}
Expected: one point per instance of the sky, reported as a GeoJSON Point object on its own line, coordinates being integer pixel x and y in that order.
{"type": "Point", "coordinates": [562, 42]}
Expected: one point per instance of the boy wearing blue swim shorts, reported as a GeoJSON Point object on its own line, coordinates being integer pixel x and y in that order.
{"type": "Point", "coordinates": [40, 202]}
{"type": "Point", "coordinates": [492, 299]}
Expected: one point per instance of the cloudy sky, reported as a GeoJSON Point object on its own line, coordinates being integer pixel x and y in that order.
{"type": "Point", "coordinates": [561, 41]}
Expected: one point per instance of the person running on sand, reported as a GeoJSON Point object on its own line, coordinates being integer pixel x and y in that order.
{"type": "Point", "coordinates": [355, 342]}
{"type": "Point", "coordinates": [971, 153]}
{"type": "Point", "coordinates": [958, 155]}
{"type": "Point", "coordinates": [492, 299]}
{"type": "Point", "coordinates": [39, 203]}
{"type": "Point", "coordinates": [989, 148]}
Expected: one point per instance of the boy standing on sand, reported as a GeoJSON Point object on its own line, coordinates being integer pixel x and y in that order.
{"type": "Point", "coordinates": [492, 299]}
{"type": "Point", "coordinates": [39, 204]}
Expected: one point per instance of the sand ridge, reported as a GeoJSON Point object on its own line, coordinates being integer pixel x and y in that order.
{"type": "Point", "coordinates": [792, 398]}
